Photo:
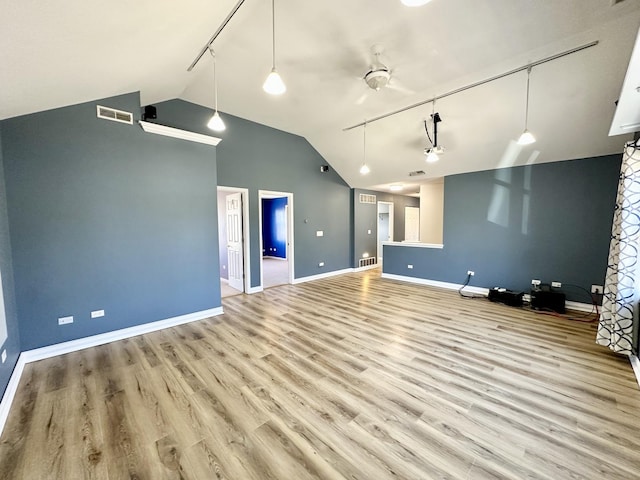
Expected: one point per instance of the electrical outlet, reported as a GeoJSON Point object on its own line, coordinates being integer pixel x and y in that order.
{"type": "Point", "coordinates": [556, 284]}
{"type": "Point", "coordinates": [597, 289]}
{"type": "Point", "coordinates": [97, 313]}
{"type": "Point", "coordinates": [321, 264]}
{"type": "Point", "coordinates": [65, 320]}
{"type": "Point", "coordinates": [319, 233]}
{"type": "Point", "coordinates": [410, 267]}
{"type": "Point", "coordinates": [471, 273]}
{"type": "Point", "coordinates": [535, 282]}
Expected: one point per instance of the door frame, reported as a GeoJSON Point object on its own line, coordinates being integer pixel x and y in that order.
{"type": "Point", "coordinates": [290, 243]}
{"type": "Point", "coordinates": [246, 238]}
{"type": "Point", "coordinates": [378, 242]}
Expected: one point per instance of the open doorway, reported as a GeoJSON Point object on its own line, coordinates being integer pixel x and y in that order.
{"type": "Point", "coordinates": [276, 237]}
{"type": "Point", "coordinates": [233, 234]}
{"type": "Point", "coordinates": [385, 226]}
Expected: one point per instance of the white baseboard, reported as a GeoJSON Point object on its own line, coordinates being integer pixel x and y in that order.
{"type": "Point", "coordinates": [368, 267]}
{"type": "Point", "coordinates": [87, 342]}
{"type": "Point", "coordinates": [320, 276]}
{"type": "Point", "coordinates": [635, 363]}
{"type": "Point", "coordinates": [436, 283]}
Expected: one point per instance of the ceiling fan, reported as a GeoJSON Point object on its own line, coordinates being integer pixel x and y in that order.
{"type": "Point", "coordinates": [379, 76]}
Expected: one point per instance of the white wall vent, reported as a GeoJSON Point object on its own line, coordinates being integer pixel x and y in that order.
{"type": "Point", "coordinates": [114, 115]}
{"type": "Point", "coordinates": [367, 262]}
{"type": "Point", "coordinates": [365, 198]}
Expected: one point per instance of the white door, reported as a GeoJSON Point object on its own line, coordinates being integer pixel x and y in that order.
{"type": "Point", "coordinates": [234, 240]}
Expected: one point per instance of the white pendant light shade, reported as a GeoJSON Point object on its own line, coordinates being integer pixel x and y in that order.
{"type": "Point", "coordinates": [274, 85]}
{"type": "Point", "coordinates": [364, 169]}
{"type": "Point", "coordinates": [216, 123]}
{"type": "Point", "coordinates": [526, 138]}
{"type": "Point", "coordinates": [415, 3]}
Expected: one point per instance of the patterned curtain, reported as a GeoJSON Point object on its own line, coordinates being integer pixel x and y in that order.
{"type": "Point", "coordinates": [621, 288]}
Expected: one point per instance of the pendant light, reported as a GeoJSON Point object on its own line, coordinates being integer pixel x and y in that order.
{"type": "Point", "coordinates": [432, 153]}
{"type": "Point", "coordinates": [216, 122]}
{"type": "Point", "coordinates": [527, 137]}
{"type": "Point", "coordinates": [364, 169]}
{"type": "Point", "coordinates": [274, 85]}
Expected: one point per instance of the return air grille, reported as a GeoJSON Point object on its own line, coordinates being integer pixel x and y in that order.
{"type": "Point", "coordinates": [366, 262]}
{"type": "Point", "coordinates": [365, 198]}
{"type": "Point", "coordinates": [114, 115]}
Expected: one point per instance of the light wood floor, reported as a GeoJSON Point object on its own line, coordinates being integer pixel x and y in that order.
{"type": "Point", "coordinates": [353, 377]}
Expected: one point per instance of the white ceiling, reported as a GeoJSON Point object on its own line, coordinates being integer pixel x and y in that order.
{"type": "Point", "coordinates": [56, 54]}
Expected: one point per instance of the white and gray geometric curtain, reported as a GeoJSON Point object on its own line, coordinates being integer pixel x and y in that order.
{"type": "Point", "coordinates": [615, 329]}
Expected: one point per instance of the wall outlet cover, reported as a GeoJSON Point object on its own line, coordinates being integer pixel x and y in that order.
{"type": "Point", "coordinates": [97, 314]}
{"type": "Point", "coordinates": [65, 320]}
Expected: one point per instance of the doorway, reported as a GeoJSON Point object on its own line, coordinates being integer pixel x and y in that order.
{"type": "Point", "coordinates": [233, 243]}
{"type": "Point", "coordinates": [385, 226]}
{"type": "Point", "coordinates": [276, 238]}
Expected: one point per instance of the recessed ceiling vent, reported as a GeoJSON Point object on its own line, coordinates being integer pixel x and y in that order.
{"type": "Point", "coordinates": [416, 173]}
{"type": "Point", "coordinates": [114, 115]}
{"type": "Point", "coordinates": [615, 2]}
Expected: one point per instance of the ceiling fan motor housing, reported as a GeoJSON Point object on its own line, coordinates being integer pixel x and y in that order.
{"type": "Point", "coordinates": [377, 78]}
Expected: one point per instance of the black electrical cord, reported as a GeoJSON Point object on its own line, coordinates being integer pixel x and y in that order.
{"type": "Point", "coordinates": [427, 130]}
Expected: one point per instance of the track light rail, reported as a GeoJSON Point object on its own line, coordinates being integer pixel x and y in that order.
{"type": "Point", "coordinates": [215, 35]}
{"type": "Point", "coordinates": [477, 84]}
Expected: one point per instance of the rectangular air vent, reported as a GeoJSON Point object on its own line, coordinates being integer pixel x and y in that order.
{"type": "Point", "coordinates": [367, 262]}
{"type": "Point", "coordinates": [114, 115]}
{"type": "Point", "coordinates": [365, 198]}
{"type": "Point", "coordinates": [416, 173]}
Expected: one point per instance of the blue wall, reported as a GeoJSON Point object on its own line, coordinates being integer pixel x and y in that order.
{"type": "Point", "coordinates": [365, 218]}
{"type": "Point", "coordinates": [257, 157]}
{"type": "Point", "coordinates": [274, 231]}
{"type": "Point", "coordinates": [550, 222]}
{"type": "Point", "coordinates": [105, 216]}
{"type": "Point", "coordinates": [12, 344]}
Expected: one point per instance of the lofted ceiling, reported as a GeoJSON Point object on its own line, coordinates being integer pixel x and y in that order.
{"type": "Point", "coordinates": [56, 54]}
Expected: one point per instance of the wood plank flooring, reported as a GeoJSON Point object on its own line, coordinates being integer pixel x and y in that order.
{"type": "Point", "coordinates": [353, 377]}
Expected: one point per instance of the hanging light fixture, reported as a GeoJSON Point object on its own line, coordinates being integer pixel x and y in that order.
{"type": "Point", "coordinates": [415, 3]}
{"type": "Point", "coordinates": [527, 137]}
{"type": "Point", "coordinates": [433, 153]}
{"type": "Point", "coordinates": [364, 169]}
{"type": "Point", "coordinates": [216, 122]}
{"type": "Point", "coordinates": [274, 85]}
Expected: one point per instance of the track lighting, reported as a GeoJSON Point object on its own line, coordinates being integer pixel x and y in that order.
{"type": "Point", "coordinates": [435, 150]}
{"type": "Point", "coordinates": [274, 85]}
{"type": "Point", "coordinates": [527, 137]}
{"type": "Point", "coordinates": [216, 122]}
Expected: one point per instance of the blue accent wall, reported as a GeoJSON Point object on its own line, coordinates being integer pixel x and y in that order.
{"type": "Point", "coordinates": [274, 227]}
{"type": "Point", "coordinates": [12, 343]}
{"type": "Point", "coordinates": [257, 157]}
{"type": "Point", "coordinates": [550, 222]}
{"type": "Point", "coordinates": [105, 216]}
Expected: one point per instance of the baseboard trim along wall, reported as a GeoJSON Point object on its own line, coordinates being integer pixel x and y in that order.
{"type": "Point", "coordinates": [320, 276]}
{"type": "Point", "coordinates": [581, 307]}
{"type": "Point", "coordinates": [36, 354]}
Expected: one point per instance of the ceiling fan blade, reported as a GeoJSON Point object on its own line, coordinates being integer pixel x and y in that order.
{"type": "Point", "coordinates": [362, 98]}
{"type": "Point", "coordinates": [398, 87]}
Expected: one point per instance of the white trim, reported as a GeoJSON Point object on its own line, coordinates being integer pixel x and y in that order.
{"type": "Point", "coordinates": [635, 363]}
{"type": "Point", "coordinates": [252, 290]}
{"type": "Point", "coordinates": [10, 392]}
{"type": "Point", "coordinates": [290, 231]}
{"type": "Point", "coordinates": [435, 283]}
{"type": "Point", "coordinates": [87, 342]}
{"type": "Point", "coordinates": [414, 244]}
{"type": "Point", "coordinates": [320, 276]}
{"type": "Point", "coordinates": [177, 133]}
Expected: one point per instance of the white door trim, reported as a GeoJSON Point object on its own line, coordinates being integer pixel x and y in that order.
{"type": "Point", "coordinates": [378, 241]}
{"type": "Point", "coordinates": [290, 242]}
